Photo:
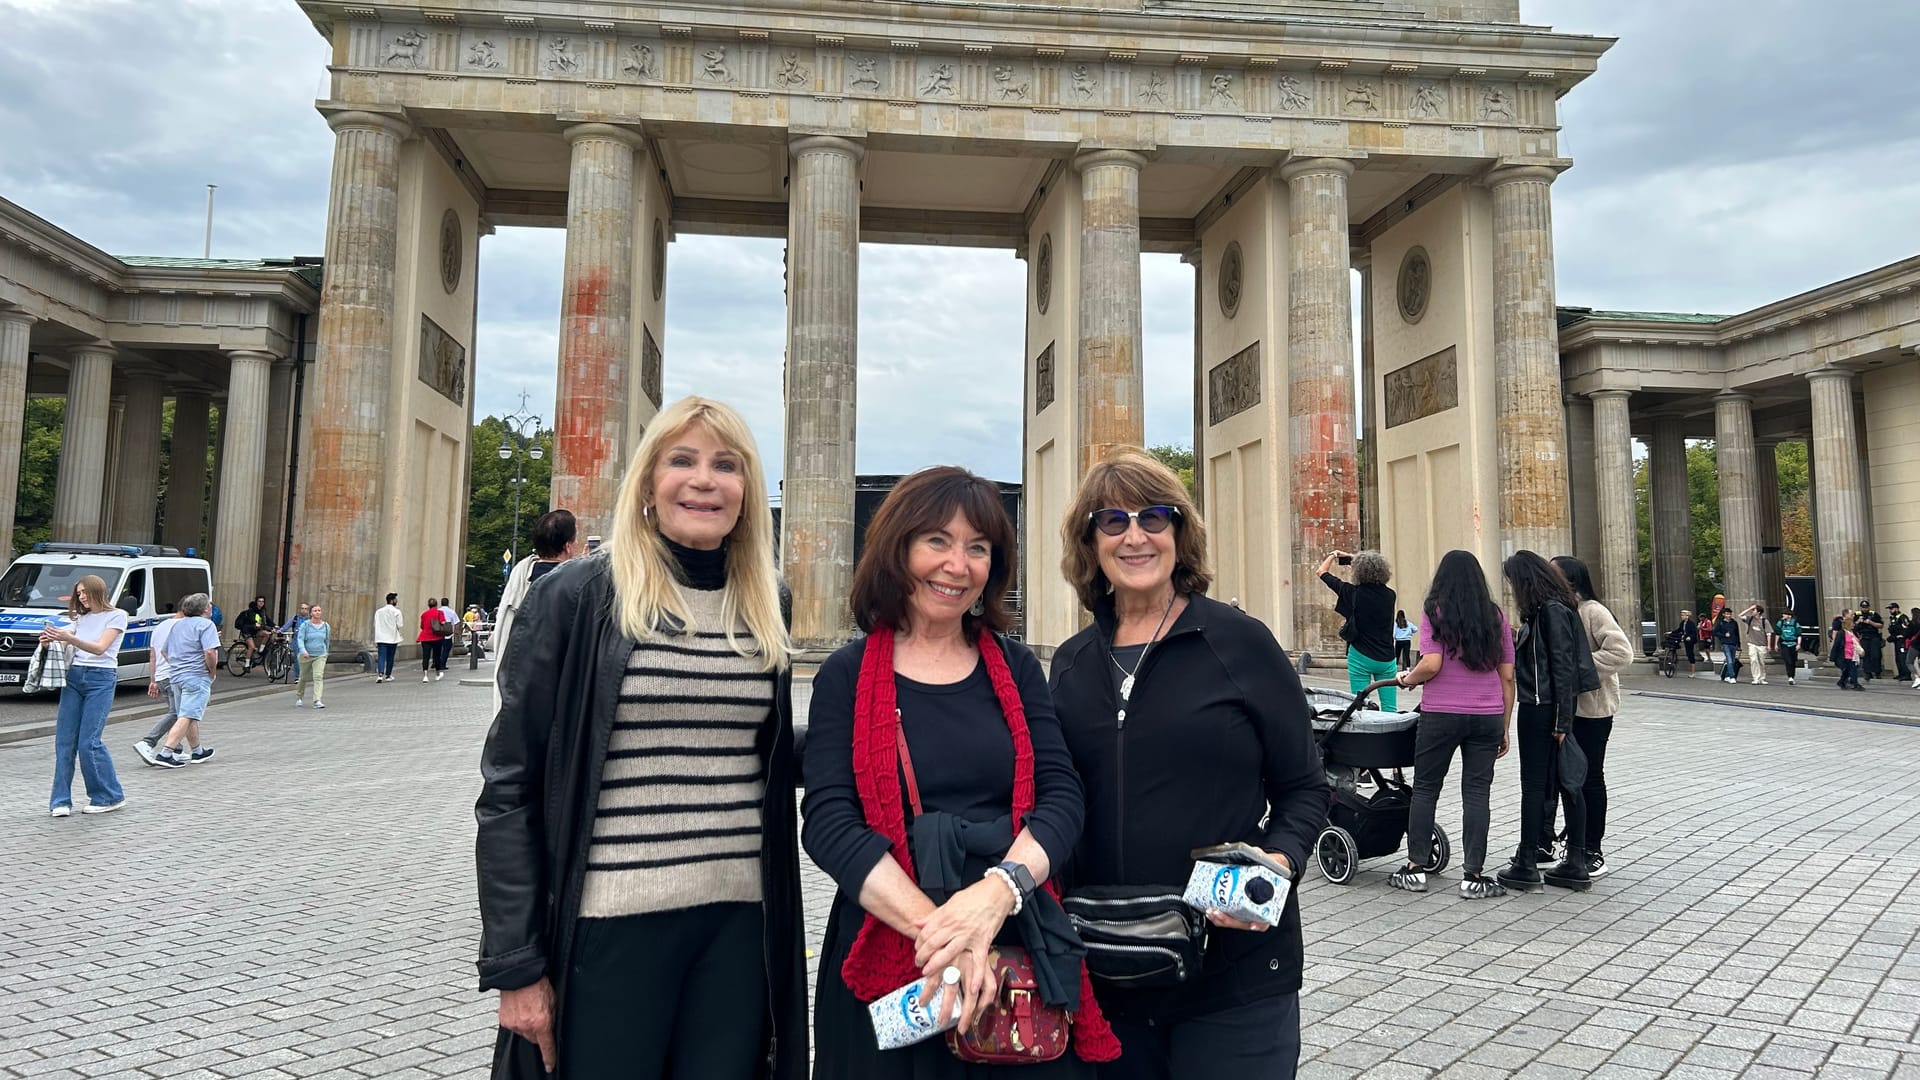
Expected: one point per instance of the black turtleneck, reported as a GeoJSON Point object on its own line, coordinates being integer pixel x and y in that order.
{"type": "Point", "coordinates": [704, 570]}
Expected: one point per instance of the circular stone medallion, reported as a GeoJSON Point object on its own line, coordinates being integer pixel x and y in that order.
{"type": "Point", "coordinates": [1043, 274]}
{"type": "Point", "coordinates": [659, 258]}
{"type": "Point", "coordinates": [1415, 284]}
{"type": "Point", "coordinates": [1230, 273]}
{"type": "Point", "coordinates": [452, 251]}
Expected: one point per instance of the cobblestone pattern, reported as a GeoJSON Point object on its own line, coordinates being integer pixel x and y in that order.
{"type": "Point", "coordinates": [303, 906]}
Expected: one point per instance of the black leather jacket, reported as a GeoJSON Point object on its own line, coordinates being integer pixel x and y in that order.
{"type": "Point", "coordinates": [1547, 661]}
{"type": "Point", "coordinates": [541, 767]}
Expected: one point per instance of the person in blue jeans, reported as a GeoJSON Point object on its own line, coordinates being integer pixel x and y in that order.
{"type": "Point", "coordinates": [94, 637]}
{"type": "Point", "coordinates": [1726, 635]}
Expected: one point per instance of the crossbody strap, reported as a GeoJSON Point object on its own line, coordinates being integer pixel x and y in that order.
{"type": "Point", "coordinates": [906, 763]}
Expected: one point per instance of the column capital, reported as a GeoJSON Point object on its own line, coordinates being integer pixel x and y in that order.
{"type": "Point", "coordinates": [1820, 373]}
{"type": "Point", "coordinates": [1732, 397]}
{"type": "Point", "coordinates": [1314, 166]}
{"type": "Point", "coordinates": [18, 316]}
{"type": "Point", "coordinates": [629, 136]}
{"type": "Point", "coordinates": [1520, 171]}
{"type": "Point", "coordinates": [826, 144]}
{"type": "Point", "coordinates": [261, 355]}
{"type": "Point", "coordinates": [362, 120]}
{"type": "Point", "coordinates": [94, 348]}
{"type": "Point", "coordinates": [1610, 392]}
{"type": "Point", "coordinates": [1095, 159]}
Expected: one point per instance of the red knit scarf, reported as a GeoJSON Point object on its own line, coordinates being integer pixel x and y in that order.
{"type": "Point", "coordinates": [881, 960]}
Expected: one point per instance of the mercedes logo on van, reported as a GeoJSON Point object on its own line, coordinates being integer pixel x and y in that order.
{"type": "Point", "coordinates": [6, 644]}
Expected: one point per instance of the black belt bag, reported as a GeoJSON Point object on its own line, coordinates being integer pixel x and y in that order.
{"type": "Point", "coordinates": [1138, 936]}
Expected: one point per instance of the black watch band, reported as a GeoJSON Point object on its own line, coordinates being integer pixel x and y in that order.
{"type": "Point", "coordinates": [1022, 877]}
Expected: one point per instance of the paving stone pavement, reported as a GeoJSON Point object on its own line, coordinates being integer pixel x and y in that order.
{"type": "Point", "coordinates": [304, 906]}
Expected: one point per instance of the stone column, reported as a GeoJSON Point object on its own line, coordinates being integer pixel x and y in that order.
{"type": "Point", "coordinates": [1319, 366]}
{"type": "Point", "coordinates": [187, 472]}
{"type": "Point", "coordinates": [243, 436]}
{"type": "Point", "coordinates": [823, 292]}
{"type": "Point", "coordinates": [1368, 448]}
{"type": "Point", "coordinates": [1526, 350]}
{"type": "Point", "coordinates": [1107, 367]}
{"type": "Point", "coordinates": [1671, 503]}
{"type": "Point", "coordinates": [1192, 258]}
{"type": "Point", "coordinates": [1582, 481]}
{"type": "Point", "coordinates": [1739, 504]}
{"type": "Point", "coordinates": [1618, 577]}
{"type": "Point", "coordinates": [1840, 499]}
{"type": "Point", "coordinates": [83, 445]}
{"type": "Point", "coordinates": [596, 311]}
{"type": "Point", "coordinates": [344, 520]}
{"type": "Point", "coordinates": [116, 409]}
{"type": "Point", "coordinates": [1773, 565]}
{"type": "Point", "coordinates": [273, 480]}
{"type": "Point", "coordinates": [16, 327]}
{"type": "Point", "coordinates": [137, 465]}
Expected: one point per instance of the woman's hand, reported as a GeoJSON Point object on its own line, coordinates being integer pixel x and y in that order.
{"type": "Point", "coordinates": [54, 633]}
{"type": "Point", "coordinates": [1505, 744]}
{"type": "Point", "coordinates": [528, 1013]}
{"type": "Point", "coordinates": [1231, 923]}
{"type": "Point", "coordinates": [966, 923]}
{"type": "Point", "coordinates": [1559, 736]}
{"type": "Point", "coordinates": [979, 987]}
{"type": "Point", "coordinates": [153, 689]}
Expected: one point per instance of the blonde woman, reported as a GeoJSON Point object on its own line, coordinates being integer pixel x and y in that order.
{"type": "Point", "coordinates": [92, 677]}
{"type": "Point", "coordinates": [638, 871]}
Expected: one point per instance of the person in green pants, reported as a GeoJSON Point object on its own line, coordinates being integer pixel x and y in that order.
{"type": "Point", "coordinates": [1367, 605]}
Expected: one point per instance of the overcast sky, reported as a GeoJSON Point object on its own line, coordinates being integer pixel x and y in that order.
{"type": "Point", "coordinates": [1730, 153]}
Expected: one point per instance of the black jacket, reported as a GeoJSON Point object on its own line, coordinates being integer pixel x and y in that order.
{"type": "Point", "coordinates": [542, 765]}
{"type": "Point", "coordinates": [1548, 661]}
{"type": "Point", "coordinates": [1217, 746]}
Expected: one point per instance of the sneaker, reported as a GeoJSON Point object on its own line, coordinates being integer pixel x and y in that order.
{"type": "Point", "coordinates": [1571, 873]}
{"type": "Point", "coordinates": [438, 675]}
{"type": "Point", "coordinates": [1731, 682]}
{"type": "Point", "coordinates": [104, 808]}
{"type": "Point", "coordinates": [1596, 864]}
{"type": "Point", "coordinates": [60, 811]}
{"type": "Point", "coordinates": [145, 750]}
{"type": "Point", "coordinates": [299, 704]}
{"type": "Point", "coordinates": [319, 704]}
{"type": "Point", "coordinates": [205, 753]}
{"type": "Point", "coordinates": [166, 759]}
{"type": "Point", "coordinates": [1545, 854]}
{"type": "Point", "coordinates": [1520, 877]}
{"type": "Point", "coordinates": [1480, 887]}
{"type": "Point", "coordinates": [424, 677]}
{"type": "Point", "coordinates": [1410, 878]}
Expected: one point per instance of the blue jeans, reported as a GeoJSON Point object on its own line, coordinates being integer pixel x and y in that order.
{"type": "Point", "coordinates": [387, 650]}
{"type": "Point", "coordinates": [1729, 661]}
{"type": "Point", "coordinates": [78, 731]}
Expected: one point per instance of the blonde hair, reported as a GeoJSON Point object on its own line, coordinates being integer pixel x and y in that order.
{"type": "Point", "coordinates": [645, 587]}
{"type": "Point", "coordinates": [1130, 479]}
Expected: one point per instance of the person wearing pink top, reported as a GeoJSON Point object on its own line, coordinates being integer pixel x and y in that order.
{"type": "Point", "coordinates": [1466, 668]}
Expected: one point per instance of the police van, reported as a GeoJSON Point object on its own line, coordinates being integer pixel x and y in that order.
{"type": "Point", "coordinates": [145, 581]}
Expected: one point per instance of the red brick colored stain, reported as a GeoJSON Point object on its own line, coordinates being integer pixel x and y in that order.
{"type": "Point", "coordinates": [584, 432]}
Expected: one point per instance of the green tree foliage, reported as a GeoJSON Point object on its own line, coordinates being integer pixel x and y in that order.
{"type": "Point", "coordinates": [1703, 487]}
{"type": "Point", "coordinates": [1179, 459]}
{"type": "Point", "coordinates": [39, 469]}
{"type": "Point", "coordinates": [490, 491]}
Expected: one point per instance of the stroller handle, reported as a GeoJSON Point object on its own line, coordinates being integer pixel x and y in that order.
{"type": "Point", "coordinates": [1359, 699]}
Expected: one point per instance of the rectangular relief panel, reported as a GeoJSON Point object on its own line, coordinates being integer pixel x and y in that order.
{"type": "Point", "coordinates": [443, 362]}
{"type": "Point", "coordinates": [1423, 388]}
{"type": "Point", "coordinates": [1043, 379]}
{"type": "Point", "coordinates": [649, 365]}
{"type": "Point", "coordinates": [1233, 385]}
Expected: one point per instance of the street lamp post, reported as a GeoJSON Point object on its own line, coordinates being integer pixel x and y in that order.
{"type": "Point", "coordinates": [524, 427]}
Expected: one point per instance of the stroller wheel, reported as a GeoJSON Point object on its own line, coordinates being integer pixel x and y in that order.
{"type": "Point", "coordinates": [1339, 855]}
{"type": "Point", "coordinates": [1442, 851]}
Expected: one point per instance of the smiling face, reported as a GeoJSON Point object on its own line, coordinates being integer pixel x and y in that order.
{"type": "Point", "coordinates": [1137, 561]}
{"type": "Point", "coordinates": [697, 489]}
{"type": "Point", "coordinates": [949, 568]}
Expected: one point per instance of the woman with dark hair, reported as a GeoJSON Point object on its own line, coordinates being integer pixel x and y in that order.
{"type": "Point", "coordinates": [1467, 670]}
{"type": "Point", "coordinates": [1190, 729]}
{"type": "Point", "coordinates": [1551, 669]}
{"type": "Point", "coordinates": [1612, 653]}
{"type": "Point", "coordinates": [937, 699]}
{"type": "Point", "coordinates": [1402, 641]}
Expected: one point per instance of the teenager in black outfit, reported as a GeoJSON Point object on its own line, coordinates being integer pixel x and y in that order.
{"type": "Point", "coordinates": [1187, 723]}
{"type": "Point", "coordinates": [1551, 662]}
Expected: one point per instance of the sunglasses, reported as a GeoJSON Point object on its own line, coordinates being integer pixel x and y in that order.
{"type": "Point", "coordinates": [1152, 519]}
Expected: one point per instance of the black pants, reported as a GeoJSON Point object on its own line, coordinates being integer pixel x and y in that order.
{"type": "Point", "coordinates": [1403, 654]}
{"type": "Point", "coordinates": [1540, 780]}
{"type": "Point", "coordinates": [1901, 661]}
{"type": "Point", "coordinates": [434, 653]}
{"type": "Point", "coordinates": [1478, 740]}
{"type": "Point", "coordinates": [1790, 660]}
{"type": "Point", "coordinates": [1870, 657]}
{"type": "Point", "coordinates": [1849, 673]}
{"type": "Point", "coordinates": [679, 994]}
{"type": "Point", "coordinates": [1256, 1041]}
{"type": "Point", "coordinates": [1592, 734]}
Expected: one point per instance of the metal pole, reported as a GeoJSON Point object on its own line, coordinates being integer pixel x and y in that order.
{"type": "Point", "coordinates": [519, 460]}
{"type": "Point", "coordinates": [206, 250]}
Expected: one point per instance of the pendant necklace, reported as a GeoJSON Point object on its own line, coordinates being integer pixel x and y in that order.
{"type": "Point", "coordinates": [1126, 681]}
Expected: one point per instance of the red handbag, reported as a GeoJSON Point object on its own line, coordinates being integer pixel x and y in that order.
{"type": "Point", "coordinates": [1018, 1028]}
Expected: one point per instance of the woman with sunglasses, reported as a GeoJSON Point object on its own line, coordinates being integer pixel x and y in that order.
{"type": "Point", "coordinates": [1187, 723]}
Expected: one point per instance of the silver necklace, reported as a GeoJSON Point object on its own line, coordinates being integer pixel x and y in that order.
{"type": "Point", "coordinates": [1126, 682]}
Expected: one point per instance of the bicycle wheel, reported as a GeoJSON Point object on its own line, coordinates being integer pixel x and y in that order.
{"type": "Point", "coordinates": [279, 662]}
{"type": "Point", "coordinates": [237, 659]}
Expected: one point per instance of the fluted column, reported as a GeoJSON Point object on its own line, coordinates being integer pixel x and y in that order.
{"type": "Point", "coordinates": [137, 465]}
{"type": "Point", "coordinates": [1739, 504]}
{"type": "Point", "coordinates": [1582, 479]}
{"type": "Point", "coordinates": [1671, 504]}
{"type": "Point", "coordinates": [1840, 498]}
{"type": "Point", "coordinates": [1532, 429]}
{"type": "Point", "coordinates": [273, 474]}
{"type": "Point", "coordinates": [1320, 436]}
{"type": "Point", "coordinates": [1618, 525]}
{"type": "Point", "coordinates": [16, 327]}
{"type": "Point", "coordinates": [823, 291]}
{"type": "Point", "coordinates": [596, 314]}
{"type": "Point", "coordinates": [243, 436]}
{"type": "Point", "coordinates": [187, 471]}
{"type": "Point", "coordinates": [1108, 365]}
{"type": "Point", "coordinates": [116, 409]}
{"type": "Point", "coordinates": [344, 517]}
{"type": "Point", "coordinates": [83, 445]}
{"type": "Point", "coordinates": [1773, 564]}
{"type": "Point", "coordinates": [1367, 448]}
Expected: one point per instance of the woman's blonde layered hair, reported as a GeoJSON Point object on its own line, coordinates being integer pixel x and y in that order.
{"type": "Point", "coordinates": [1130, 479]}
{"type": "Point", "coordinates": [645, 589]}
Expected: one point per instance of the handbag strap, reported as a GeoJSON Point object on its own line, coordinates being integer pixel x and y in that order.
{"type": "Point", "coordinates": [906, 764]}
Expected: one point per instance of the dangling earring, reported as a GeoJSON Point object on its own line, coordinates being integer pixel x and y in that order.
{"type": "Point", "coordinates": [646, 512]}
{"type": "Point", "coordinates": [979, 607]}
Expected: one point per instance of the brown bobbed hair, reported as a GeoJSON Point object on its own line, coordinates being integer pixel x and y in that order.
{"type": "Point", "coordinates": [1129, 479]}
{"type": "Point", "coordinates": [920, 504]}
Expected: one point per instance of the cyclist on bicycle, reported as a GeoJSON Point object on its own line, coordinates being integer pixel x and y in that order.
{"type": "Point", "coordinates": [253, 627]}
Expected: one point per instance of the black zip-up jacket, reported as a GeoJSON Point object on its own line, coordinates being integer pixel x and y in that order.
{"type": "Point", "coordinates": [1547, 660]}
{"type": "Point", "coordinates": [542, 766]}
{"type": "Point", "coordinates": [1217, 746]}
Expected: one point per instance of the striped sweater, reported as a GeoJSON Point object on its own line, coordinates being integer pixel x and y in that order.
{"type": "Point", "coordinates": [679, 820]}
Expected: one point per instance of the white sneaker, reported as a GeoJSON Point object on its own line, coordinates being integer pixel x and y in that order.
{"type": "Point", "coordinates": [438, 675]}
{"type": "Point", "coordinates": [298, 704]}
{"type": "Point", "coordinates": [424, 677]}
{"type": "Point", "coordinates": [60, 811]}
{"type": "Point", "coordinates": [104, 808]}
{"type": "Point", "coordinates": [145, 750]}
{"type": "Point", "coordinates": [319, 704]}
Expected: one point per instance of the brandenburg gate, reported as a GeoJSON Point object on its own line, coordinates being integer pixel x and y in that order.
{"type": "Point", "coordinates": [1277, 145]}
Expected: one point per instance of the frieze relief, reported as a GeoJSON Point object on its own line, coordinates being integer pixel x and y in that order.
{"type": "Point", "coordinates": [1043, 380]}
{"type": "Point", "coordinates": [443, 362]}
{"type": "Point", "coordinates": [1424, 388]}
{"type": "Point", "coordinates": [1233, 385]}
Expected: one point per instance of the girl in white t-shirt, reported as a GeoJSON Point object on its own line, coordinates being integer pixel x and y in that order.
{"type": "Point", "coordinates": [94, 674]}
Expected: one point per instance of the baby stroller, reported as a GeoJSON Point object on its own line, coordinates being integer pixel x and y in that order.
{"type": "Point", "coordinates": [1355, 741]}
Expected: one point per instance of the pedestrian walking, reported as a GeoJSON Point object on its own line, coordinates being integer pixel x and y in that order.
{"type": "Point", "coordinates": [160, 685]}
{"type": "Point", "coordinates": [1757, 633]}
{"type": "Point", "coordinates": [639, 879]}
{"type": "Point", "coordinates": [386, 636]}
{"type": "Point", "coordinates": [435, 630]}
{"type": "Point", "coordinates": [1899, 629]}
{"type": "Point", "coordinates": [1611, 652]}
{"type": "Point", "coordinates": [1913, 648]}
{"type": "Point", "coordinates": [1846, 651]}
{"type": "Point", "coordinates": [1787, 633]}
{"type": "Point", "coordinates": [291, 627]}
{"type": "Point", "coordinates": [93, 637]}
{"type": "Point", "coordinates": [1688, 634]}
{"type": "Point", "coordinates": [1726, 636]}
{"type": "Point", "coordinates": [1367, 606]}
{"type": "Point", "coordinates": [1871, 630]}
{"type": "Point", "coordinates": [192, 656]}
{"type": "Point", "coordinates": [311, 643]}
{"type": "Point", "coordinates": [553, 544]}
{"type": "Point", "coordinates": [1466, 670]}
{"type": "Point", "coordinates": [1403, 641]}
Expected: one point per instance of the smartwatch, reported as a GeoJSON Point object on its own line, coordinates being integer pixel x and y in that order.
{"type": "Point", "coordinates": [1022, 877]}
